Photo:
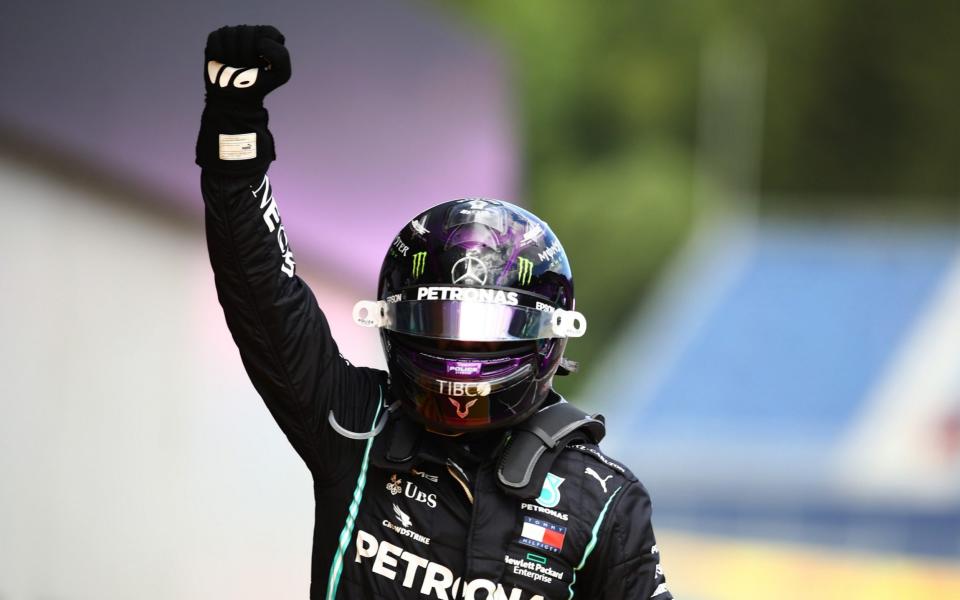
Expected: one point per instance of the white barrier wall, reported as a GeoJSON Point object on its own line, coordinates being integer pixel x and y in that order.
{"type": "Point", "coordinates": [136, 460]}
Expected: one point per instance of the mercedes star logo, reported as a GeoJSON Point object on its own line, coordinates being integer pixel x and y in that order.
{"type": "Point", "coordinates": [469, 270]}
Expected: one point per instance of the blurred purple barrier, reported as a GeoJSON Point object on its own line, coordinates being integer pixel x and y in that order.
{"type": "Point", "coordinates": [391, 108]}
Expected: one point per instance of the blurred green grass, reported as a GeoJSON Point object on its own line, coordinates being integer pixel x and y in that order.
{"type": "Point", "coordinates": [859, 102]}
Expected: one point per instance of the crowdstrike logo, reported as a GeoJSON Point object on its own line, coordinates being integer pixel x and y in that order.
{"type": "Point", "coordinates": [431, 579]}
{"type": "Point", "coordinates": [404, 528]}
{"type": "Point", "coordinates": [403, 517]}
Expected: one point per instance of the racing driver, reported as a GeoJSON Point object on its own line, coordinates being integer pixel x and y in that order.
{"type": "Point", "coordinates": [458, 473]}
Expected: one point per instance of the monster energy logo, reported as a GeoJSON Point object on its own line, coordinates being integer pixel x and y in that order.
{"type": "Point", "coordinates": [419, 262]}
{"type": "Point", "coordinates": [524, 270]}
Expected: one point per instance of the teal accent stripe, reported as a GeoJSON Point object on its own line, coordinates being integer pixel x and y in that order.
{"type": "Point", "coordinates": [346, 534]}
{"type": "Point", "coordinates": [593, 541]}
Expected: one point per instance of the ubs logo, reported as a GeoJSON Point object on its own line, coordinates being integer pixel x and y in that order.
{"type": "Point", "coordinates": [410, 490]}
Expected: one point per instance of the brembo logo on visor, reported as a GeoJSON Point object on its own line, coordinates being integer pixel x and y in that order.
{"type": "Point", "coordinates": [483, 295]}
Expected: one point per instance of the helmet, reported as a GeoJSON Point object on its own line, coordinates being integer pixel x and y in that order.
{"type": "Point", "coordinates": [475, 305]}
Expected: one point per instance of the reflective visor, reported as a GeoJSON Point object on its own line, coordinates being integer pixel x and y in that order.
{"type": "Point", "coordinates": [456, 320]}
{"type": "Point", "coordinates": [470, 314]}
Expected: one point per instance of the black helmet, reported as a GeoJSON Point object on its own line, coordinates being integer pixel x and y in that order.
{"type": "Point", "coordinates": [475, 308]}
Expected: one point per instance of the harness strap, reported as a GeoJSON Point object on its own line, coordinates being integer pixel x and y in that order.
{"type": "Point", "coordinates": [536, 443]}
{"type": "Point", "coordinates": [523, 463]}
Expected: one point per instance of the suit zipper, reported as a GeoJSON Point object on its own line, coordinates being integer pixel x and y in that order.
{"type": "Point", "coordinates": [461, 477]}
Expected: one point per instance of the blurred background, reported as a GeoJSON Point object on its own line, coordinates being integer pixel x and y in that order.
{"type": "Point", "coordinates": [761, 202]}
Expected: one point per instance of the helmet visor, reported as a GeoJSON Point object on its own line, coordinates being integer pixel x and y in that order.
{"type": "Point", "coordinates": [470, 314]}
{"type": "Point", "coordinates": [453, 320]}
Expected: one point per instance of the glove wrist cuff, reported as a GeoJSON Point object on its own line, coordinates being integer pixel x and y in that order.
{"type": "Point", "coordinates": [231, 105]}
{"type": "Point", "coordinates": [234, 138]}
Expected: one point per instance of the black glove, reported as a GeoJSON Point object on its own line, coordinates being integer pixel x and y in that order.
{"type": "Point", "coordinates": [242, 65]}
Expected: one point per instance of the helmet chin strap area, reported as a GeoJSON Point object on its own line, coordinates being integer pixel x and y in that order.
{"type": "Point", "coordinates": [448, 434]}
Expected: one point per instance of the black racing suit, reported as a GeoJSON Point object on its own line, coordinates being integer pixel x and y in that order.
{"type": "Point", "coordinates": [440, 530]}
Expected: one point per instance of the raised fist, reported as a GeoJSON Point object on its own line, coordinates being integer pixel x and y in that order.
{"type": "Point", "coordinates": [244, 63]}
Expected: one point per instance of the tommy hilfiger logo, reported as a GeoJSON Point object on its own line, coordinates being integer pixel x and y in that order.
{"type": "Point", "coordinates": [542, 534]}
